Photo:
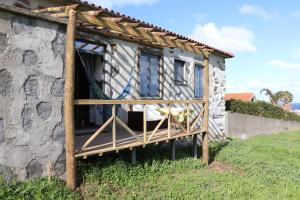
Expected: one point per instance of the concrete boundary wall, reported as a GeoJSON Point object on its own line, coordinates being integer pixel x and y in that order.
{"type": "Point", "coordinates": [246, 126]}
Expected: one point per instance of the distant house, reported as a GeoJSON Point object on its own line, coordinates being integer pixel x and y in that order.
{"type": "Point", "coordinates": [244, 96]}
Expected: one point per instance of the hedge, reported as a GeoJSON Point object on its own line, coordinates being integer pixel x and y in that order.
{"type": "Point", "coordinates": [262, 109]}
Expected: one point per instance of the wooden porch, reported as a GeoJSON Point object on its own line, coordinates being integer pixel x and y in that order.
{"type": "Point", "coordinates": [121, 136]}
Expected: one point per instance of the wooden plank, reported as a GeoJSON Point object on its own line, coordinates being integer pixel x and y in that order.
{"type": "Point", "coordinates": [97, 133]}
{"type": "Point", "coordinates": [196, 120]}
{"type": "Point", "coordinates": [87, 16]}
{"type": "Point", "coordinates": [205, 142]}
{"type": "Point", "coordinates": [114, 128]}
{"type": "Point", "coordinates": [158, 126]}
{"type": "Point", "coordinates": [188, 117]}
{"type": "Point", "coordinates": [69, 101]}
{"type": "Point", "coordinates": [128, 129]}
{"type": "Point", "coordinates": [162, 137]}
{"type": "Point", "coordinates": [133, 102]}
{"type": "Point", "coordinates": [56, 9]}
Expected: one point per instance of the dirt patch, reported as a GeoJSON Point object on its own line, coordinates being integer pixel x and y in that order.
{"type": "Point", "coordinates": [223, 167]}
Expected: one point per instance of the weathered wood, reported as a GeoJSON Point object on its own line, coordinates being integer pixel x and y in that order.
{"type": "Point", "coordinates": [188, 117]}
{"type": "Point", "coordinates": [133, 102]}
{"type": "Point", "coordinates": [194, 122]}
{"type": "Point", "coordinates": [97, 133]}
{"type": "Point", "coordinates": [205, 142]}
{"type": "Point", "coordinates": [128, 129]}
{"type": "Point", "coordinates": [130, 142]}
{"type": "Point", "coordinates": [69, 101]}
{"type": "Point", "coordinates": [169, 121]}
{"type": "Point", "coordinates": [114, 127]}
{"type": "Point", "coordinates": [195, 147]}
{"type": "Point", "coordinates": [158, 126]}
{"type": "Point", "coordinates": [56, 9]}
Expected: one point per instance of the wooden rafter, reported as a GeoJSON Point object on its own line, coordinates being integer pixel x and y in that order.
{"type": "Point", "coordinates": [56, 9]}
{"type": "Point", "coordinates": [121, 27]}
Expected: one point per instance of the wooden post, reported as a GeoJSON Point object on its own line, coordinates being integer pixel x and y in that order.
{"type": "Point", "coordinates": [173, 149]}
{"type": "Point", "coordinates": [69, 101]}
{"type": "Point", "coordinates": [205, 145]}
{"type": "Point", "coordinates": [195, 150]}
{"type": "Point", "coordinates": [188, 118]}
{"type": "Point", "coordinates": [114, 127]}
{"type": "Point", "coordinates": [133, 156]}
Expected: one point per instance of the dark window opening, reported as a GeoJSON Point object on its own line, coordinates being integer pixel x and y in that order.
{"type": "Point", "coordinates": [149, 75]}
{"type": "Point", "coordinates": [198, 81]}
{"type": "Point", "coordinates": [179, 71]}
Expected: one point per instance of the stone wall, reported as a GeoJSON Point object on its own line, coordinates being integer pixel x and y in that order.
{"type": "Point", "coordinates": [246, 126]}
{"type": "Point", "coordinates": [31, 96]}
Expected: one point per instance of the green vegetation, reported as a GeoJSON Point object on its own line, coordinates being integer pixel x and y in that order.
{"type": "Point", "coordinates": [35, 189]}
{"type": "Point", "coordinates": [261, 108]}
{"type": "Point", "coordinates": [280, 96]}
{"type": "Point", "coordinates": [265, 167]}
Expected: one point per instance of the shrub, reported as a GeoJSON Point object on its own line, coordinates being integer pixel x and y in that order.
{"type": "Point", "coordinates": [262, 109]}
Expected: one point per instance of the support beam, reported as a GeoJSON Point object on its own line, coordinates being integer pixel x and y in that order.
{"type": "Point", "coordinates": [69, 101]}
{"type": "Point", "coordinates": [205, 145]}
{"type": "Point", "coordinates": [195, 149]}
{"type": "Point", "coordinates": [173, 149]}
{"type": "Point", "coordinates": [133, 156]}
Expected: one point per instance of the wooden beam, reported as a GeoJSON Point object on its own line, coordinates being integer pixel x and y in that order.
{"type": "Point", "coordinates": [205, 142]}
{"type": "Point", "coordinates": [56, 9]}
{"type": "Point", "coordinates": [90, 16]}
{"type": "Point", "coordinates": [132, 24]}
{"type": "Point", "coordinates": [145, 28]}
{"type": "Point", "coordinates": [69, 101]}
{"type": "Point", "coordinates": [159, 33]}
{"type": "Point", "coordinates": [133, 102]}
{"type": "Point", "coordinates": [114, 19]}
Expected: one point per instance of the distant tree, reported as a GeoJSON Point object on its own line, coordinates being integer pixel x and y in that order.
{"type": "Point", "coordinates": [273, 97]}
{"type": "Point", "coordinates": [281, 96]}
{"type": "Point", "coordinates": [286, 97]}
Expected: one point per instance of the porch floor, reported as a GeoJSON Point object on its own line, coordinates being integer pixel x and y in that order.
{"type": "Point", "coordinates": [103, 142]}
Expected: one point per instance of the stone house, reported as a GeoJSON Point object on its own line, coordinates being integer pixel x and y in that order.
{"type": "Point", "coordinates": [32, 54]}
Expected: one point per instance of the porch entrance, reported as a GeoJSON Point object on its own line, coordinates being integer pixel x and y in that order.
{"type": "Point", "coordinates": [90, 116]}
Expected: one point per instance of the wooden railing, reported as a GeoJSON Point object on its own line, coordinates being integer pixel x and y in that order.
{"type": "Point", "coordinates": [186, 128]}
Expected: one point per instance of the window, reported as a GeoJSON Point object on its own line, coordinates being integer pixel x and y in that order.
{"type": "Point", "coordinates": [179, 71]}
{"type": "Point", "coordinates": [149, 75]}
{"type": "Point", "coordinates": [198, 81]}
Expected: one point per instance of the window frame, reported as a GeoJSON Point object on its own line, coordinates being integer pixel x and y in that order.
{"type": "Point", "coordinates": [184, 82]}
{"type": "Point", "coordinates": [161, 74]}
{"type": "Point", "coordinates": [199, 65]}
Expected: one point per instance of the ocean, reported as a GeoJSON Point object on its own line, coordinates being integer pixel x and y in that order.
{"type": "Point", "coordinates": [295, 106]}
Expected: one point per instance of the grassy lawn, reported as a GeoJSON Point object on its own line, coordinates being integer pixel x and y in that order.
{"type": "Point", "coordinates": [265, 167]}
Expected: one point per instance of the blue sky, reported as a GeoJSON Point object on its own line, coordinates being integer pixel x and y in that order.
{"type": "Point", "coordinates": [263, 35]}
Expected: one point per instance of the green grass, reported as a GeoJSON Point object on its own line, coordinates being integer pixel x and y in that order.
{"type": "Point", "coordinates": [265, 167]}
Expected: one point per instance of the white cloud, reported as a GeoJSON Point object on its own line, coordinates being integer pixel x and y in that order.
{"type": "Point", "coordinates": [119, 3]}
{"type": "Point", "coordinates": [284, 64]}
{"type": "Point", "coordinates": [257, 11]}
{"type": "Point", "coordinates": [295, 14]}
{"type": "Point", "coordinates": [231, 38]}
{"type": "Point", "coordinates": [296, 53]}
